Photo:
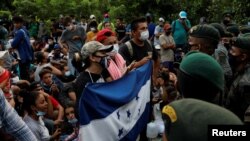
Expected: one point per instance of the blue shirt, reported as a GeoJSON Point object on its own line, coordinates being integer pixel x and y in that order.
{"type": "Point", "coordinates": [12, 123]}
{"type": "Point", "coordinates": [180, 34]}
{"type": "Point", "coordinates": [151, 29]}
{"type": "Point", "coordinates": [21, 42]}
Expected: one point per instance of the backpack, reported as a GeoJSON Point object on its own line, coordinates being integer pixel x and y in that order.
{"type": "Point", "coordinates": [173, 30]}
{"type": "Point", "coordinates": [130, 48]}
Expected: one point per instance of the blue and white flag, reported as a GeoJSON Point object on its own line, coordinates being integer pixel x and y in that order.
{"type": "Point", "coordinates": [118, 110]}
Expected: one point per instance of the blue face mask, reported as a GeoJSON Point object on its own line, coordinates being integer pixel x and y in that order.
{"type": "Point", "coordinates": [40, 113]}
{"type": "Point", "coordinates": [67, 73]}
{"type": "Point", "coordinates": [73, 121]}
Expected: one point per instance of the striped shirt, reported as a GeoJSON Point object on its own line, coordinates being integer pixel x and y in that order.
{"type": "Point", "coordinates": [12, 123]}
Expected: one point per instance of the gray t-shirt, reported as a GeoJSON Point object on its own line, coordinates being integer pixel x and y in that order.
{"type": "Point", "coordinates": [166, 54]}
{"type": "Point", "coordinates": [38, 128]}
{"type": "Point", "coordinates": [74, 45]}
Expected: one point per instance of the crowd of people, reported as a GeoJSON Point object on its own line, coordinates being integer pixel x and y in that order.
{"type": "Point", "coordinates": [200, 73]}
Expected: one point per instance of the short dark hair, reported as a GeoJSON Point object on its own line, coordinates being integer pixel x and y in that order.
{"type": "Point", "coordinates": [33, 85]}
{"type": "Point", "coordinates": [134, 23]}
{"type": "Point", "coordinates": [43, 72]}
{"type": "Point", "coordinates": [17, 19]}
{"type": "Point", "coordinates": [120, 18]}
{"type": "Point", "coordinates": [67, 20]}
{"type": "Point", "coordinates": [209, 44]}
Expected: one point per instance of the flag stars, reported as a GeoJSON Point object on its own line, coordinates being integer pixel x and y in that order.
{"type": "Point", "coordinates": [118, 115]}
{"type": "Point", "coordinates": [137, 97]}
{"type": "Point", "coordinates": [120, 132]}
{"type": "Point", "coordinates": [128, 114]}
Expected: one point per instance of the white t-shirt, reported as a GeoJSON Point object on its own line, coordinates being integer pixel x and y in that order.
{"type": "Point", "coordinates": [38, 128]}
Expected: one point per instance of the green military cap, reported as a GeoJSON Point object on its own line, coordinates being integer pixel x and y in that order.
{"type": "Point", "coordinates": [241, 42]}
{"type": "Point", "coordinates": [246, 35]}
{"type": "Point", "coordinates": [245, 29]}
{"type": "Point", "coordinates": [205, 31]}
{"type": "Point", "coordinates": [220, 28]}
{"type": "Point", "coordinates": [188, 119]}
{"type": "Point", "coordinates": [234, 29]}
{"type": "Point", "coordinates": [201, 65]}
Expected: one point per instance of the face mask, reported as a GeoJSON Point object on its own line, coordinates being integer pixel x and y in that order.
{"type": "Point", "coordinates": [92, 29]}
{"type": "Point", "coordinates": [144, 35]}
{"type": "Point", "coordinates": [168, 33]}
{"type": "Point", "coordinates": [50, 42]}
{"type": "Point", "coordinates": [116, 47]}
{"type": "Point", "coordinates": [227, 46]}
{"type": "Point", "coordinates": [67, 73]}
{"type": "Point", "coordinates": [72, 121]}
{"type": "Point", "coordinates": [226, 22]}
{"type": "Point", "coordinates": [40, 113]}
{"type": "Point", "coordinates": [233, 61]}
{"type": "Point", "coordinates": [104, 62]}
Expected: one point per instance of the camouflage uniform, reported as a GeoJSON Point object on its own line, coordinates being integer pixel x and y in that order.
{"type": "Point", "coordinates": [239, 95]}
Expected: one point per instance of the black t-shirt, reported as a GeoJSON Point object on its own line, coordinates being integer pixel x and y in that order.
{"type": "Point", "coordinates": [121, 31]}
{"type": "Point", "coordinates": [81, 82]}
{"type": "Point", "coordinates": [84, 78]}
{"type": "Point", "coordinates": [139, 52]}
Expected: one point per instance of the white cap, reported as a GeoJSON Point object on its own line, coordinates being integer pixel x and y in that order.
{"type": "Point", "coordinates": [183, 14]}
{"type": "Point", "coordinates": [92, 16]}
{"type": "Point", "coordinates": [161, 19]}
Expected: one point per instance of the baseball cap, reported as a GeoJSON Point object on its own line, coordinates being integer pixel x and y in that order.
{"type": "Point", "coordinates": [92, 47]}
{"type": "Point", "coordinates": [92, 16]}
{"type": "Point", "coordinates": [161, 19]}
{"type": "Point", "coordinates": [183, 14]}
{"type": "Point", "coordinates": [167, 26]}
{"type": "Point", "coordinates": [104, 34]}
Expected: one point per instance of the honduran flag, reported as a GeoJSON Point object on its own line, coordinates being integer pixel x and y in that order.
{"type": "Point", "coordinates": [117, 110]}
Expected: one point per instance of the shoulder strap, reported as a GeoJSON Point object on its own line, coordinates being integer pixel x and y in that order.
{"type": "Point", "coordinates": [149, 42]}
{"type": "Point", "coordinates": [130, 49]}
{"type": "Point", "coordinates": [174, 27]}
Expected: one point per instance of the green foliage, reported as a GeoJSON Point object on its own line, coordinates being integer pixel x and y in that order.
{"type": "Point", "coordinates": [128, 9]}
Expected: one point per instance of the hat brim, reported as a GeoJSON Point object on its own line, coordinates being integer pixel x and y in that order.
{"type": "Point", "coordinates": [183, 17]}
{"type": "Point", "coordinates": [106, 48]}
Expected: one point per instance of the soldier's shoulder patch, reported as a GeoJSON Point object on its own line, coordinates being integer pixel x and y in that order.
{"type": "Point", "coordinates": [169, 110]}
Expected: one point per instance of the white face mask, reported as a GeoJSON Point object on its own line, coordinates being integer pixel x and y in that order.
{"type": "Point", "coordinates": [116, 47]}
{"type": "Point", "coordinates": [92, 29]}
{"type": "Point", "coordinates": [144, 35]}
{"type": "Point", "coordinates": [114, 51]}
